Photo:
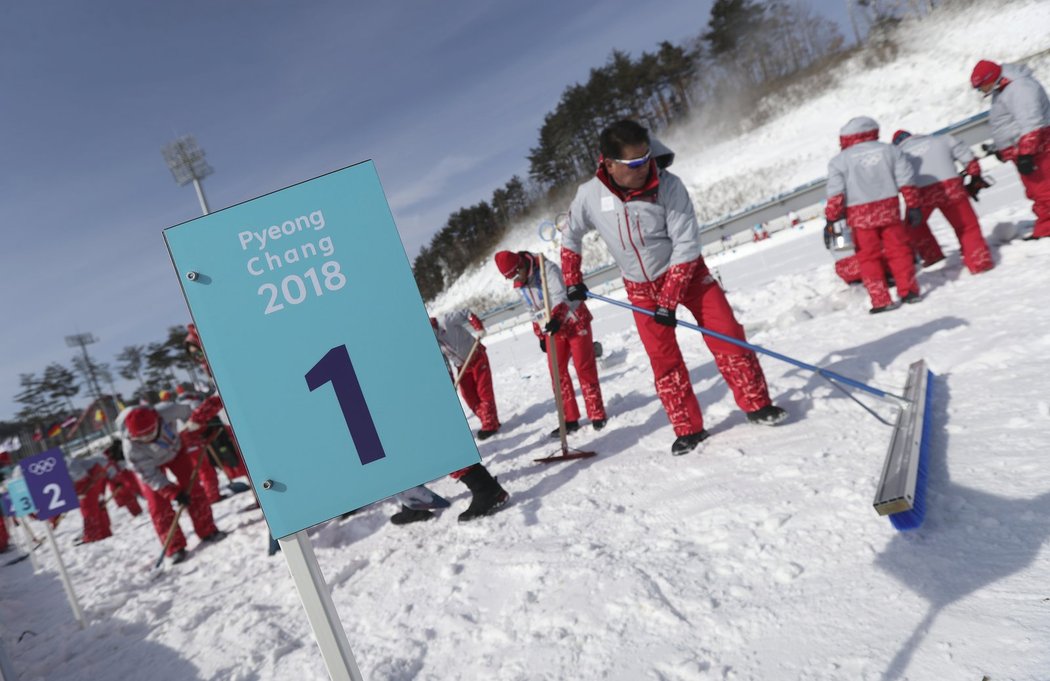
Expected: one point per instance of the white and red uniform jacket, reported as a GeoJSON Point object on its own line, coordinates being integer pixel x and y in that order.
{"type": "Point", "coordinates": [648, 231]}
{"type": "Point", "coordinates": [454, 339]}
{"type": "Point", "coordinates": [572, 314]}
{"type": "Point", "coordinates": [147, 458]}
{"type": "Point", "coordinates": [1020, 114]}
{"type": "Point", "coordinates": [866, 176]}
{"type": "Point", "coordinates": [933, 157]}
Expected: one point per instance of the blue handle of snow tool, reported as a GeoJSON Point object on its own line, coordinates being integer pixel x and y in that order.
{"type": "Point", "coordinates": [831, 375]}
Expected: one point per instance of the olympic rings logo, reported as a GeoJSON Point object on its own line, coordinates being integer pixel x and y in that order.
{"type": "Point", "coordinates": [870, 160]}
{"type": "Point", "coordinates": [44, 466]}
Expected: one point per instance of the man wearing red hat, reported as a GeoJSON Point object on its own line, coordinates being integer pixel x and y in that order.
{"type": "Point", "coordinates": [646, 218]}
{"type": "Point", "coordinates": [153, 446]}
{"type": "Point", "coordinates": [569, 327]}
{"type": "Point", "coordinates": [864, 180]}
{"type": "Point", "coordinates": [475, 382]}
{"type": "Point", "coordinates": [933, 157]}
{"type": "Point", "coordinates": [1020, 120]}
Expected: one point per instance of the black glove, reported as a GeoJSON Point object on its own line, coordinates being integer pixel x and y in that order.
{"type": "Point", "coordinates": [183, 498]}
{"type": "Point", "coordinates": [577, 292]}
{"type": "Point", "coordinates": [665, 316]}
{"type": "Point", "coordinates": [543, 344]}
{"type": "Point", "coordinates": [552, 326]}
{"type": "Point", "coordinates": [829, 234]}
{"type": "Point", "coordinates": [976, 183]}
{"type": "Point", "coordinates": [914, 217]}
{"type": "Point", "coordinates": [1025, 164]}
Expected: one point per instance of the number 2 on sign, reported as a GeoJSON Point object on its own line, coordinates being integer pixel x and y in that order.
{"type": "Point", "coordinates": [56, 496]}
{"type": "Point", "coordinates": [335, 367]}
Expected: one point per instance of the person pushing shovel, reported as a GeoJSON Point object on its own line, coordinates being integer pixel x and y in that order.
{"type": "Point", "coordinates": [646, 218]}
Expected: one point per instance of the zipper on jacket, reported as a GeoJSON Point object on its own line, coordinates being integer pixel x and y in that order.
{"type": "Point", "coordinates": [637, 254]}
{"type": "Point", "coordinates": [638, 226]}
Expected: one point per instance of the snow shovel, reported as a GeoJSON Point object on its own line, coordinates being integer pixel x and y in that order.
{"type": "Point", "coordinates": [901, 493]}
{"type": "Point", "coordinates": [552, 351]}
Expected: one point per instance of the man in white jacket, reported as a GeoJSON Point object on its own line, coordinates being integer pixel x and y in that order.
{"type": "Point", "coordinates": [646, 218]}
{"type": "Point", "coordinates": [154, 446]}
{"type": "Point", "coordinates": [1020, 120]}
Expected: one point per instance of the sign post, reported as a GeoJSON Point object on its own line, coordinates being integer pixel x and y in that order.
{"type": "Point", "coordinates": [325, 359]}
{"type": "Point", "coordinates": [47, 479]}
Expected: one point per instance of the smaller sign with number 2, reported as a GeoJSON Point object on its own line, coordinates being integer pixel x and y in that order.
{"type": "Point", "coordinates": [48, 480]}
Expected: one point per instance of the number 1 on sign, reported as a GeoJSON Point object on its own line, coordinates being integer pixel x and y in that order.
{"type": "Point", "coordinates": [336, 368]}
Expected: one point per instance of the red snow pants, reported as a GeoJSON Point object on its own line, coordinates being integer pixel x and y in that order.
{"type": "Point", "coordinates": [892, 242]}
{"type": "Point", "coordinates": [574, 340]}
{"type": "Point", "coordinates": [738, 366]}
{"type": "Point", "coordinates": [476, 389]}
{"type": "Point", "coordinates": [951, 199]}
{"type": "Point", "coordinates": [924, 243]}
{"type": "Point", "coordinates": [1037, 188]}
{"type": "Point", "coordinates": [207, 476]}
{"type": "Point", "coordinates": [160, 508]}
{"type": "Point", "coordinates": [3, 534]}
{"type": "Point", "coordinates": [90, 489]}
{"type": "Point", "coordinates": [126, 490]}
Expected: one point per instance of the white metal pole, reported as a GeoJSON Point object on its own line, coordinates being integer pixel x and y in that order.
{"type": "Point", "coordinates": [68, 585]}
{"type": "Point", "coordinates": [200, 196]}
{"type": "Point", "coordinates": [320, 609]}
{"type": "Point", "coordinates": [30, 544]}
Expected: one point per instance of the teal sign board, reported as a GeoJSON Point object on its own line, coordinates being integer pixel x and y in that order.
{"type": "Point", "coordinates": [321, 348]}
{"type": "Point", "coordinates": [21, 499]}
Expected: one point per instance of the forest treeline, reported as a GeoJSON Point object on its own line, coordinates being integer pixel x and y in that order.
{"type": "Point", "coordinates": [746, 49]}
{"type": "Point", "coordinates": [46, 397]}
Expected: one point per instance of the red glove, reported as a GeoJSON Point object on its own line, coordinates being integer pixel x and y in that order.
{"type": "Point", "coordinates": [169, 492]}
{"type": "Point", "coordinates": [208, 410]}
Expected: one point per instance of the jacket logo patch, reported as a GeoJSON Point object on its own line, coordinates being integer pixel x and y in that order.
{"type": "Point", "coordinates": [870, 160]}
{"type": "Point", "coordinates": [608, 204]}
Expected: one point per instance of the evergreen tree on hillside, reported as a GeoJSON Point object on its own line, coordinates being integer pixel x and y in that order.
{"type": "Point", "coordinates": [730, 23]}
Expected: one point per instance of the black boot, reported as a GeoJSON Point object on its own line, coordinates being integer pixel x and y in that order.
{"type": "Point", "coordinates": [407, 515]}
{"type": "Point", "coordinates": [488, 495]}
{"type": "Point", "coordinates": [570, 427]}
{"type": "Point", "coordinates": [687, 443]}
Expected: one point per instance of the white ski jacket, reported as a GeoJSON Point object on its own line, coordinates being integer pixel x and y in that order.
{"type": "Point", "coordinates": [933, 157]}
{"type": "Point", "coordinates": [454, 338]}
{"type": "Point", "coordinates": [646, 234]}
{"type": "Point", "coordinates": [146, 458]}
{"type": "Point", "coordinates": [1020, 113]}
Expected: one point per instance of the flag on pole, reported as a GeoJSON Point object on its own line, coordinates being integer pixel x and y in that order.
{"type": "Point", "coordinates": [100, 416]}
{"type": "Point", "coordinates": [54, 430]}
{"type": "Point", "coordinates": [68, 423]}
{"type": "Point", "coordinates": [37, 435]}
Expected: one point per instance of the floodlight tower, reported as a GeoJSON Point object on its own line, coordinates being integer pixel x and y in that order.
{"type": "Point", "coordinates": [186, 162]}
{"type": "Point", "coordinates": [82, 340]}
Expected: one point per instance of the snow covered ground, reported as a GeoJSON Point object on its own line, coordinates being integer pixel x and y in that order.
{"type": "Point", "coordinates": [757, 557]}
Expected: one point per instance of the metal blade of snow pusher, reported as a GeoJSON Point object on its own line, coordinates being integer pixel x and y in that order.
{"type": "Point", "coordinates": [566, 455]}
{"type": "Point", "coordinates": [900, 472]}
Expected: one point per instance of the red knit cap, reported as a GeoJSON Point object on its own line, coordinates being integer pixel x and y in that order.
{"type": "Point", "coordinates": [900, 136]}
{"type": "Point", "coordinates": [141, 421]}
{"type": "Point", "coordinates": [507, 262]}
{"type": "Point", "coordinates": [985, 72]}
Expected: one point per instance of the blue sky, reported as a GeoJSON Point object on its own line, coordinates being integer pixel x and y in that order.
{"type": "Point", "coordinates": [447, 98]}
